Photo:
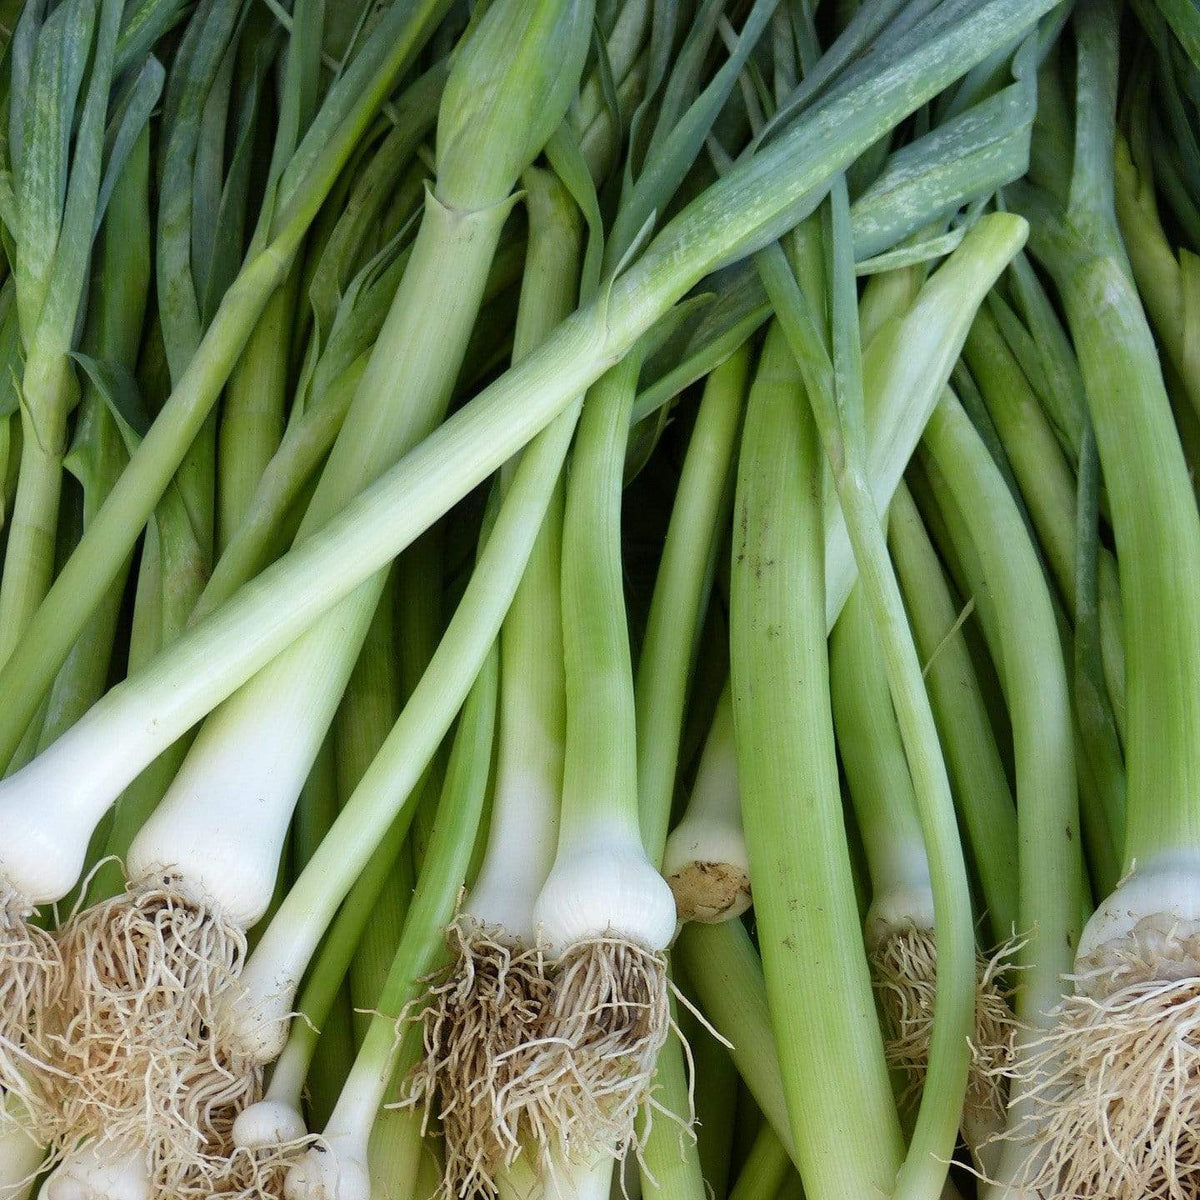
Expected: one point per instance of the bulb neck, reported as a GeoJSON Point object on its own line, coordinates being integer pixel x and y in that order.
{"type": "Point", "coordinates": [1149, 924]}
{"type": "Point", "coordinates": [903, 906]}
{"type": "Point", "coordinates": [605, 886]}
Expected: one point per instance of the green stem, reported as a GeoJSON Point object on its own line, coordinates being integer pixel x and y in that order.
{"type": "Point", "coordinates": [251, 424]}
{"type": "Point", "coordinates": [523, 826]}
{"type": "Point", "coordinates": [972, 756]}
{"type": "Point", "coordinates": [1021, 624]}
{"type": "Point", "coordinates": [827, 1037]}
{"type": "Point", "coordinates": [836, 400]}
{"type": "Point", "coordinates": [715, 1084]}
{"type": "Point", "coordinates": [600, 766]}
{"type": "Point", "coordinates": [333, 1046]}
{"type": "Point", "coordinates": [432, 907]}
{"type": "Point", "coordinates": [261, 531]}
{"type": "Point", "coordinates": [725, 971]}
{"type": "Point", "coordinates": [670, 1160]}
{"type": "Point", "coordinates": [1154, 515]}
{"type": "Point", "coordinates": [681, 591]}
{"type": "Point", "coordinates": [176, 580]}
{"type": "Point", "coordinates": [1046, 483]}
{"type": "Point", "coordinates": [116, 315]}
{"type": "Point", "coordinates": [421, 621]}
{"type": "Point", "coordinates": [1101, 745]}
{"type": "Point", "coordinates": [872, 754]}
{"type": "Point", "coordinates": [365, 717]}
{"type": "Point", "coordinates": [765, 1168]}
{"type": "Point", "coordinates": [1167, 280]}
{"type": "Point", "coordinates": [48, 393]}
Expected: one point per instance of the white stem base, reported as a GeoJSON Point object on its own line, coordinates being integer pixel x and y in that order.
{"type": "Point", "coordinates": [20, 1157]}
{"type": "Point", "coordinates": [100, 1173]}
{"type": "Point", "coordinates": [605, 886]}
{"type": "Point", "coordinates": [1158, 902]}
{"type": "Point", "coordinates": [335, 1170]}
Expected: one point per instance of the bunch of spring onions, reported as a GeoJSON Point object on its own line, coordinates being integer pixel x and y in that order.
{"type": "Point", "coordinates": [599, 595]}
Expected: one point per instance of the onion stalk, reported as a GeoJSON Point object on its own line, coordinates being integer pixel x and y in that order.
{"type": "Point", "coordinates": [490, 999]}
{"type": "Point", "coordinates": [1019, 621]}
{"type": "Point", "coordinates": [1096, 1123]}
{"type": "Point", "coordinates": [785, 735]}
{"type": "Point", "coordinates": [724, 224]}
{"type": "Point", "coordinates": [188, 907]}
{"type": "Point", "coordinates": [338, 1169]}
{"type": "Point", "coordinates": [899, 928]}
{"type": "Point", "coordinates": [604, 909]}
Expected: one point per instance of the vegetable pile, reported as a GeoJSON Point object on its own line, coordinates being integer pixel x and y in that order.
{"type": "Point", "coordinates": [599, 596]}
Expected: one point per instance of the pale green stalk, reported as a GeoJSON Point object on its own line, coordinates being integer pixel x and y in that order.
{"type": "Point", "coordinates": [599, 786]}
{"type": "Point", "coordinates": [523, 824]}
{"type": "Point", "coordinates": [366, 715]}
{"type": "Point", "coordinates": [323, 993]}
{"type": "Point", "coordinates": [1047, 484]}
{"type": "Point", "coordinates": [972, 757]}
{"type": "Point", "coordinates": [765, 1169]}
{"type": "Point", "coordinates": [420, 617]}
{"type": "Point", "coordinates": [251, 420]}
{"type": "Point", "coordinates": [728, 977]}
{"type": "Point", "coordinates": [664, 670]}
{"type": "Point", "coordinates": [1147, 484]}
{"type": "Point", "coordinates": [1026, 647]}
{"type": "Point", "coordinates": [698, 517]}
{"type": "Point", "coordinates": [304, 445]}
{"type": "Point", "coordinates": [55, 208]}
{"type": "Point", "coordinates": [6, 476]}
{"type": "Point", "coordinates": [835, 390]}
{"type": "Point", "coordinates": [196, 100]}
{"type": "Point", "coordinates": [872, 755]}
{"type": "Point", "coordinates": [1168, 279]}
{"type": "Point", "coordinates": [715, 1082]}
{"type": "Point", "coordinates": [1101, 762]}
{"type": "Point", "coordinates": [379, 1060]}
{"type": "Point", "coordinates": [174, 580]}
{"type": "Point", "coordinates": [334, 1036]}
{"type": "Point", "coordinates": [670, 1163]}
{"type": "Point", "coordinates": [827, 1037]}
{"type": "Point", "coordinates": [121, 276]}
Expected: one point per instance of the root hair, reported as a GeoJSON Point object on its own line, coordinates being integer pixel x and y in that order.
{"type": "Point", "coordinates": [145, 974]}
{"type": "Point", "coordinates": [250, 1174]}
{"type": "Point", "coordinates": [592, 1070]}
{"type": "Point", "coordinates": [904, 971]}
{"type": "Point", "coordinates": [31, 984]}
{"type": "Point", "coordinates": [1113, 1088]}
{"type": "Point", "coordinates": [479, 1016]}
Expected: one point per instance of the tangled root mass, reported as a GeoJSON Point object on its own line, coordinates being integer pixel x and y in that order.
{"type": "Point", "coordinates": [31, 983]}
{"type": "Point", "coordinates": [134, 1031]}
{"type": "Point", "coordinates": [550, 1058]}
{"type": "Point", "coordinates": [592, 1071]}
{"type": "Point", "coordinates": [904, 967]}
{"type": "Point", "coordinates": [1114, 1087]}
{"type": "Point", "coordinates": [480, 1016]}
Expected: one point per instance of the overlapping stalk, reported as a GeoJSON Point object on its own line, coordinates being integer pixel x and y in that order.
{"type": "Point", "coordinates": [266, 616]}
